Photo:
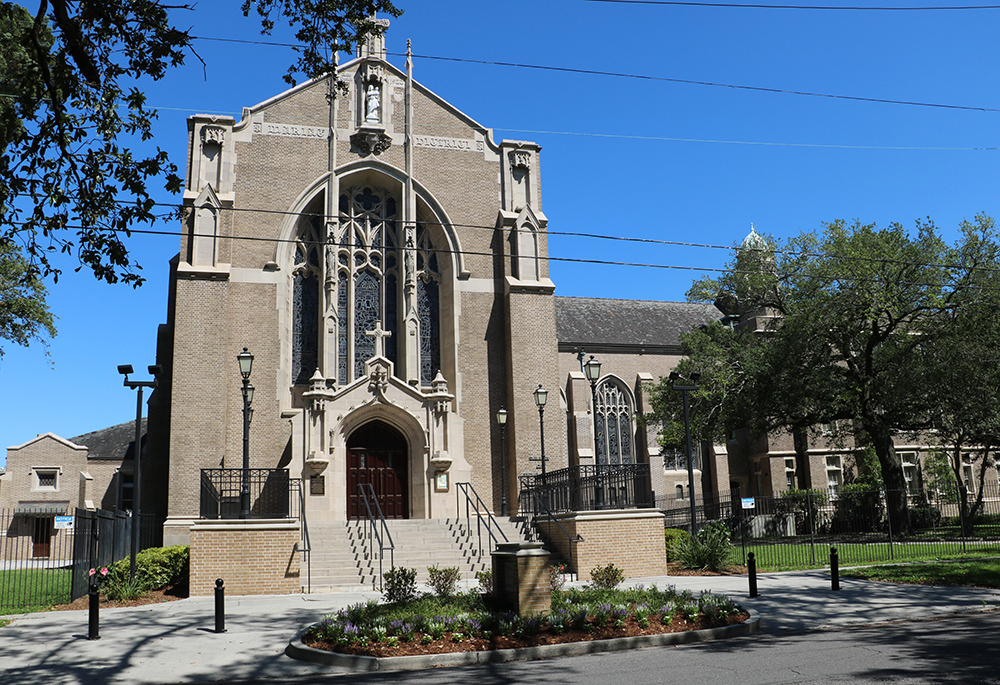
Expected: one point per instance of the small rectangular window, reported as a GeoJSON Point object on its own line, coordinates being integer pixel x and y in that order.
{"type": "Point", "coordinates": [45, 479]}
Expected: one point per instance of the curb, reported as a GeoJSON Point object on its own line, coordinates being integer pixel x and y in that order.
{"type": "Point", "coordinates": [297, 650]}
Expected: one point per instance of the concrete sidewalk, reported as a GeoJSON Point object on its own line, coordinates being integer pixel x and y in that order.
{"type": "Point", "coordinates": [174, 642]}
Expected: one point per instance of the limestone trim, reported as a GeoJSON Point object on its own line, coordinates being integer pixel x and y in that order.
{"type": "Point", "coordinates": [51, 436]}
{"type": "Point", "coordinates": [610, 515]}
{"type": "Point", "coordinates": [248, 524]}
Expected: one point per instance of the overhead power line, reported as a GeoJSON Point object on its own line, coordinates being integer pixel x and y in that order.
{"type": "Point", "coordinates": [645, 77]}
{"type": "Point", "coordinates": [761, 6]}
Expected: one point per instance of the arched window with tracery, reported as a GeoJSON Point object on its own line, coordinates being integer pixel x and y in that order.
{"type": "Point", "coordinates": [613, 424]}
{"type": "Point", "coordinates": [366, 279]}
{"type": "Point", "coordinates": [305, 301]}
{"type": "Point", "coordinates": [428, 306]}
{"type": "Point", "coordinates": [368, 265]}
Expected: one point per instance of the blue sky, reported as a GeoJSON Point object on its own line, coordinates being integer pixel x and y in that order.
{"type": "Point", "coordinates": [788, 163]}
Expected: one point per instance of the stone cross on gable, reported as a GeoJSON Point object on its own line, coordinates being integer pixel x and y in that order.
{"type": "Point", "coordinates": [378, 334]}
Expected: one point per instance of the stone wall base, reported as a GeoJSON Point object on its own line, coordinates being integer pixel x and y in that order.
{"type": "Point", "coordinates": [253, 557]}
{"type": "Point", "coordinates": [631, 539]}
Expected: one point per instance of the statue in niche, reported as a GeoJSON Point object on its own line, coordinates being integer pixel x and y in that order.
{"type": "Point", "coordinates": [372, 105]}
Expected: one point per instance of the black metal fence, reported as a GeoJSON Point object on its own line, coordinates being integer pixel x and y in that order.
{"type": "Point", "coordinates": [273, 494]}
{"type": "Point", "coordinates": [796, 529]}
{"type": "Point", "coordinates": [43, 563]}
{"type": "Point", "coordinates": [587, 488]}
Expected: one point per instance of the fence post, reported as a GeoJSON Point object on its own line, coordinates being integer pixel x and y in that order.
{"type": "Point", "coordinates": [962, 499]}
{"type": "Point", "coordinates": [834, 570]}
{"type": "Point", "coordinates": [812, 537]}
{"type": "Point", "coordinates": [888, 518]}
{"type": "Point", "coordinates": [752, 573]}
{"type": "Point", "coordinates": [220, 606]}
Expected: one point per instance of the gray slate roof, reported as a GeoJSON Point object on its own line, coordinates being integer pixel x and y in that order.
{"type": "Point", "coordinates": [639, 323]}
{"type": "Point", "coordinates": [111, 443]}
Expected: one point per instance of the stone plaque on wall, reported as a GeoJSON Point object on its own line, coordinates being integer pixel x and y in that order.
{"type": "Point", "coordinates": [317, 485]}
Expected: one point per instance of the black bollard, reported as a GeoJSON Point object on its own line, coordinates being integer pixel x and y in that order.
{"type": "Point", "coordinates": [94, 632]}
{"type": "Point", "coordinates": [834, 569]}
{"type": "Point", "coordinates": [220, 606]}
{"type": "Point", "coordinates": [752, 572]}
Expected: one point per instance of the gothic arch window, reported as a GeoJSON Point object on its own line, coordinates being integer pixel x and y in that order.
{"type": "Point", "coordinates": [357, 280]}
{"type": "Point", "coordinates": [368, 269]}
{"type": "Point", "coordinates": [305, 301]}
{"type": "Point", "coordinates": [428, 306]}
{"type": "Point", "coordinates": [613, 424]}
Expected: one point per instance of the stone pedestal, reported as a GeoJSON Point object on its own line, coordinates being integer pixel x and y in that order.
{"type": "Point", "coordinates": [521, 579]}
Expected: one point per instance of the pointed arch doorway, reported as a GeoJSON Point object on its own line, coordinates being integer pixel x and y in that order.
{"type": "Point", "coordinates": [377, 454]}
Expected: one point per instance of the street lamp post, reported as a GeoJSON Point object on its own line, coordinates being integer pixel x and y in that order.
{"type": "Point", "coordinates": [695, 376]}
{"type": "Point", "coordinates": [541, 397]}
{"type": "Point", "coordinates": [245, 360]}
{"type": "Point", "coordinates": [592, 369]}
{"type": "Point", "coordinates": [154, 371]}
{"type": "Point", "coordinates": [502, 422]}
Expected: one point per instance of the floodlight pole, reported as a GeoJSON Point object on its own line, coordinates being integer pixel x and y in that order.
{"type": "Point", "coordinates": [126, 369]}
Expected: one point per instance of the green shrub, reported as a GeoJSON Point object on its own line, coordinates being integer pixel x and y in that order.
{"type": "Point", "coordinates": [606, 577]}
{"type": "Point", "coordinates": [400, 584]}
{"type": "Point", "coordinates": [155, 569]}
{"type": "Point", "coordinates": [709, 550]}
{"type": "Point", "coordinates": [485, 579]}
{"type": "Point", "coordinates": [444, 581]}
{"type": "Point", "coordinates": [673, 537]}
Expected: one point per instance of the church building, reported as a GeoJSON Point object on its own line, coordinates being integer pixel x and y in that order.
{"type": "Point", "coordinates": [384, 261]}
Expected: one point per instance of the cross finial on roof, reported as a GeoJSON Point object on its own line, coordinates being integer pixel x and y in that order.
{"type": "Point", "coordinates": [378, 334]}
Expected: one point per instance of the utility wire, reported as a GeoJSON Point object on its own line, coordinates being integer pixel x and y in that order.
{"type": "Point", "coordinates": [604, 262]}
{"type": "Point", "coordinates": [646, 77]}
{"type": "Point", "coordinates": [757, 6]}
{"type": "Point", "coordinates": [570, 234]}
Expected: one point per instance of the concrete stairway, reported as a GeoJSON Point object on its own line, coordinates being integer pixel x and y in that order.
{"type": "Point", "coordinates": [340, 557]}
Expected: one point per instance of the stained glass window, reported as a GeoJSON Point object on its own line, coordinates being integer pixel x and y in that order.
{"type": "Point", "coordinates": [368, 288]}
{"type": "Point", "coordinates": [613, 421]}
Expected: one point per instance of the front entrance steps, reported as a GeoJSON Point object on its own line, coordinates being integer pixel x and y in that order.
{"type": "Point", "coordinates": [340, 557]}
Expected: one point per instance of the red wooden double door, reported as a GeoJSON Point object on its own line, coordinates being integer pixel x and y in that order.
{"type": "Point", "coordinates": [377, 455]}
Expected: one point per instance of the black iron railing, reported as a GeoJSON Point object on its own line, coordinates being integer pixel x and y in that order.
{"type": "Point", "coordinates": [376, 531]}
{"type": "Point", "coordinates": [476, 507]}
{"type": "Point", "coordinates": [273, 494]}
{"type": "Point", "coordinates": [588, 488]}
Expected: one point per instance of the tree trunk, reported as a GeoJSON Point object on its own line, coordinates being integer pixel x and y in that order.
{"type": "Point", "coordinates": [892, 476]}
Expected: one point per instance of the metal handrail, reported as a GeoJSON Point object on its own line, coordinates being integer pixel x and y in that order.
{"type": "Point", "coordinates": [539, 506]}
{"type": "Point", "coordinates": [306, 544]}
{"type": "Point", "coordinates": [374, 533]}
{"type": "Point", "coordinates": [479, 506]}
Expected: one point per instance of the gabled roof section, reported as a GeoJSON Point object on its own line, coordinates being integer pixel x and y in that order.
{"type": "Point", "coordinates": [628, 323]}
{"type": "Point", "coordinates": [50, 436]}
{"type": "Point", "coordinates": [347, 66]}
{"type": "Point", "coordinates": [112, 443]}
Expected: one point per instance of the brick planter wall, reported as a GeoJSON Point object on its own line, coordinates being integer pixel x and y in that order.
{"type": "Point", "coordinates": [252, 557]}
{"type": "Point", "coordinates": [631, 539]}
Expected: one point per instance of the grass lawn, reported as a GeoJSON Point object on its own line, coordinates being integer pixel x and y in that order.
{"type": "Point", "coordinates": [26, 590]}
{"type": "Point", "coordinates": [971, 572]}
{"type": "Point", "coordinates": [799, 556]}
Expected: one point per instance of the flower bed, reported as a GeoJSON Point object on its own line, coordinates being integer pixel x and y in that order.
{"type": "Point", "coordinates": [464, 623]}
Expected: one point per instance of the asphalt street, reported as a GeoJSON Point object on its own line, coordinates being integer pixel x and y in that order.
{"type": "Point", "coordinates": [810, 634]}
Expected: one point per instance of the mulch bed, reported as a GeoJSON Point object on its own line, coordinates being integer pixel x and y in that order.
{"type": "Point", "coordinates": [170, 594]}
{"type": "Point", "coordinates": [674, 569]}
{"type": "Point", "coordinates": [544, 637]}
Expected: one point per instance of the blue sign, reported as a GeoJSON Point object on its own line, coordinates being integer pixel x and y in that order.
{"type": "Point", "coordinates": [747, 502]}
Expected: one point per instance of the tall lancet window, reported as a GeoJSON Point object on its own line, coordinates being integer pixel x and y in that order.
{"type": "Point", "coordinates": [367, 287]}
{"type": "Point", "coordinates": [368, 265]}
{"type": "Point", "coordinates": [613, 424]}
{"type": "Point", "coordinates": [428, 307]}
{"type": "Point", "coordinates": [305, 302]}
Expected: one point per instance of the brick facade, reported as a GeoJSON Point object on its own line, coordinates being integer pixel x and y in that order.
{"type": "Point", "coordinates": [252, 557]}
{"type": "Point", "coordinates": [630, 539]}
